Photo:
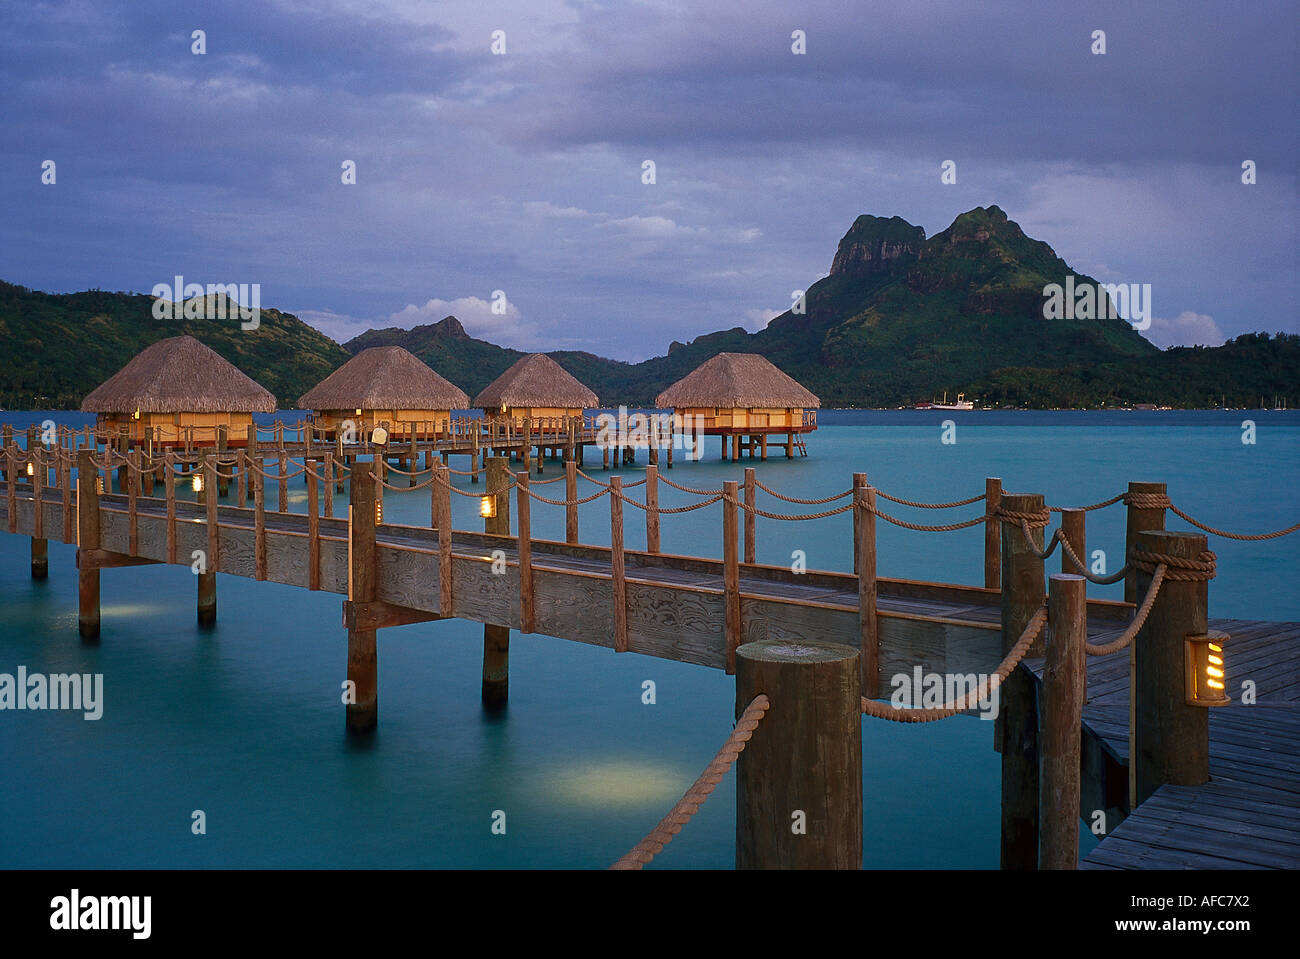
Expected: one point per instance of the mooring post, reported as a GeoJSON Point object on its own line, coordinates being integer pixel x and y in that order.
{"type": "Point", "coordinates": [570, 504]}
{"type": "Point", "coordinates": [652, 509]}
{"type": "Point", "coordinates": [992, 533]}
{"type": "Point", "coordinates": [1074, 526]}
{"type": "Point", "coordinates": [223, 441]}
{"type": "Point", "coordinates": [87, 538]}
{"type": "Point", "coordinates": [859, 479]}
{"type": "Point", "coordinates": [864, 549]}
{"type": "Point", "coordinates": [799, 780]}
{"type": "Point", "coordinates": [1062, 713]}
{"type": "Point", "coordinates": [1173, 737]}
{"type": "Point", "coordinates": [1146, 511]}
{"type": "Point", "coordinates": [40, 545]}
{"type": "Point", "coordinates": [1022, 596]}
{"type": "Point", "coordinates": [750, 502]}
{"type": "Point", "coordinates": [730, 574]}
{"type": "Point", "coordinates": [363, 664]}
{"type": "Point", "coordinates": [207, 606]}
{"type": "Point", "coordinates": [496, 638]}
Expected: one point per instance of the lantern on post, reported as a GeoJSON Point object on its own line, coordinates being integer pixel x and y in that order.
{"type": "Point", "coordinates": [1204, 675]}
{"type": "Point", "coordinates": [487, 506]}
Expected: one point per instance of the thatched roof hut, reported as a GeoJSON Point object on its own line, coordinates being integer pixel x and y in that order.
{"type": "Point", "coordinates": [536, 383]}
{"type": "Point", "coordinates": [384, 378]}
{"type": "Point", "coordinates": [737, 381]}
{"type": "Point", "coordinates": [178, 375]}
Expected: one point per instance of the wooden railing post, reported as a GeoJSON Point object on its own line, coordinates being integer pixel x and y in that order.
{"type": "Point", "coordinates": [859, 480]}
{"type": "Point", "coordinates": [496, 638]}
{"type": "Point", "coordinates": [207, 601]}
{"type": "Point", "coordinates": [864, 548]}
{"type": "Point", "coordinates": [363, 664]}
{"type": "Point", "coordinates": [259, 519]}
{"type": "Point", "coordinates": [1022, 597]}
{"type": "Point", "coordinates": [313, 529]}
{"type": "Point", "coordinates": [1062, 714]}
{"type": "Point", "coordinates": [1172, 737]}
{"type": "Point", "coordinates": [40, 545]}
{"type": "Point", "coordinates": [616, 562]}
{"type": "Point", "coordinates": [1074, 526]}
{"type": "Point", "coordinates": [730, 572]}
{"type": "Point", "coordinates": [751, 501]}
{"type": "Point", "coordinates": [992, 534]}
{"type": "Point", "coordinates": [799, 780]}
{"type": "Point", "coordinates": [1140, 520]}
{"type": "Point", "coordinates": [87, 538]}
{"type": "Point", "coordinates": [523, 523]}
{"type": "Point", "coordinates": [442, 487]}
{"type": "Point", "coordinates": [282, 480]}
{"type": "Point", "coordinates": [652, 509]}
{"type": "Point", "coordinates": [570, 507]}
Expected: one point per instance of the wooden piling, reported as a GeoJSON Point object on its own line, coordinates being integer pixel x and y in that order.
{"type": "Point", "coordinates": [859, 479]}
{"type": "Point", "coordinates": [616, 560]}
{"type": "Point", "coordinates": [363, 664]}
{"type": "Point", "coordinates": [1062, 715]}
{"type": "Point", "coordinates": [570, 506]}
{"type": "Point", "coordinates": [40, 545]}
{"type": "Point", "coordinates": [523, 523]}
{"type": "Point", "coordinates": [799, 780]}
{"type": "Point", "coordinates": [864, 548]}
{"type": "Point", "coordinates": [313, 530]}
{"type": "Point", "coordinates": [1022, 596]}
{"type": "Point", "coordinates": [1074, 526]}
{"type": "Point", "coordinates": [730, 573]}
{"type": "Point", "coordinates": [1172, 737]}
{"type": "Point", "coordinates": [282, 480]}
{"type": "Point", "coordinates": [442, 488]}
{"type": "Point", "coordinates": [87, 538]}
{"type": "Point", "coordinates": [496, 638]}
{"type": "Point", "coordinates": [751, 500]}
{"type": "Point", "coordinates": [992, 533]}
{"type": "Point", "coordinates": [652, 509]}
{"type": "Point", "coordinates": [1140, 520]}
{"type": "Point", "coordinates": [259, 519]}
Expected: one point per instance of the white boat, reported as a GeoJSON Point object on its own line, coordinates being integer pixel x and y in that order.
{"type": "Point", "coordinates": [961, 404]}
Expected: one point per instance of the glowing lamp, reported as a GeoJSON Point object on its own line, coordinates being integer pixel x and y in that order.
{"type": "Point", "coordinates": [31, 469]}
{"type": "Point", "coordinates": [380, 436]}
{"type": "Point", "coordinates": [136, 414]}
{"type": "Point", "coordinates": [379, 511]}
{"type": "Point", "coordinates": [503, 407]}
{"type": "Point", "coordinates": [198, 482]}
{"type": "Point", "coordinates": [1204, 674]}
{"type": "Point", "coordinates": [487, 506]}
{"type": "Point", "coordinates": [99, 484]}
{"type": "Point", "coordinates": [358, 413]}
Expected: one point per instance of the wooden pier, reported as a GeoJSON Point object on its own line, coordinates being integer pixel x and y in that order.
{"type": "Point", "coordinates": [777, 628]}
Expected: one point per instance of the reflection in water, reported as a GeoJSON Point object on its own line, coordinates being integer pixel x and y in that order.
{"type": "Point", "coordinates": [629, 782]}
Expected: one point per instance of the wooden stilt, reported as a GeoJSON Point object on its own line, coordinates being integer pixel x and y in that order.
{"type": "Point", "coordinates": [496, 638]}
{"type": "Point", "coordinates": [1022, 596]}
{"type": "Point", "coordinates": [730, 573]}
{"type": "Point", "coordinates": [618, 580]}
{"type": "Point", "coordinates": [363, 664]}
{"type": "Point", "coordinates": [87, 538]}
{"type": "Point", "coordinates": [799, 780]}
{"type": "Point", "coordinates": [864, 549]}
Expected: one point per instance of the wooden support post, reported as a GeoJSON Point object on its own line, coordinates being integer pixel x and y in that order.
{"type": "Point", "coordinates": [40, 558]}
{"type": "Point", "coordinates": [259, 520]}
{"type": "Point", "coordinates": [207, 579]}
{"type": "Point", "coordinates": [169, 489]}
{"type": "Point", "coordinates": [132, 504]}
{"type": "Point", "coordinates": [241, 478]}
{"type": "Point", "coordinates": [859, 479]}
{"type": "Point", "coordinates": [864, 548]}
{"type": "Point", "coordinates": [313, 530]}
{"type": "Point", "coordinates": [570, 508]}
{"type": "Point", "coordinates": [605, 457]}
{"type": "Point", "coordinates": [281, 479]}
{"type": "Point", "coordinates": [11, 486]}
{"type": "Point", "coordinates": [65, 489]}
{"type": "Point", "coordinates": [616, 562]}
{"type": "Point", "coordinates": [527, 441]}
{"type": "Point", "coordinates": [524, 525]}
{"type": "Point", "coordinates": [223, 437]}
{"type": "Point", "coordinates": [1062, 714]}
{"type": "Point", "coordinates": [363, 664]}
{"type": "Point", "coordinates": [1022, 596]}
{"type": "Point", "coordinates": [1140, 519]}
{"type": "Point", "coordinates": [442, 487]}
{"type": "Point", "coordinates": [87, 538]}
{"type": "Point", "coordinates": [147, 476]}
{"type": "Point", "coordinates": [992, 533]}
{"type": "Point", "coordinates": [1073, 525]}
{"type": "Point", "coordinates": [750, 501]}
{"type": "Point", "coordinates": [799, 780]}
{"type": "Point", "coordinates": [40, 545]}
{"type": "Point", "coordinates": [730, 573]}
{"type": "Point", "coordinates": [496, 638]}
{"type": "Point", "coordinates": [328, 471]}
{"type": "Point", "coordinates": [1172, 738]}
{"type": "Point", "coordinates": [652, 509]}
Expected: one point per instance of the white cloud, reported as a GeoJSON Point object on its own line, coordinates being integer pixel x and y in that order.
{"type": "Point", "coordinates": [1187, 329]}
{"type": "Point", "coordinates": [756, 320]}
{"type": "Point", "coordinates": [474, 313]}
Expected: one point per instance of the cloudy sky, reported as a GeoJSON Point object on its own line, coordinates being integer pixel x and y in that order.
{"type": "Point", "coordinates": [522, 171]}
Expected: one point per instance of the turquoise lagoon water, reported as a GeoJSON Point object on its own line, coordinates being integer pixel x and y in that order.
{"type": "Point", "coordinates": [245, 723]}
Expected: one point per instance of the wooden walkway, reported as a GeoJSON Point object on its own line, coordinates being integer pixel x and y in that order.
{"type": "Point", "coordinates": [1248, 815]}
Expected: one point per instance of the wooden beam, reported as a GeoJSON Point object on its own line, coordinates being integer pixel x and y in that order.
{"type": "Point", "coordinates": [380, 615]}
{"type": "Point", "coordinates": [92, 559]}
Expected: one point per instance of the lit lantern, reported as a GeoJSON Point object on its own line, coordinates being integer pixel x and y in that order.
{"type": "Point", "coordinates": [31, 469]}
{"type": "Point", "coordinates": [380, 436]}
{"type": "Point", "coordinates": [487, 506]}
{"type": "Point", "coordinates": [198, 482]}
{"type": "Point", "coordinates": [136, 414]}
{"type": "Point", "coordinates": [99, 484]}
{"type": "Point", "coordinates": [358, 413]}
{"type": "Point", "coordinates": [379, 511]}
{"type": "Point", "coordinates": [1204, 674]}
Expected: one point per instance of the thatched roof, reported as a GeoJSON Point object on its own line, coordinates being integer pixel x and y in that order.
{"type": "Point", "coordinates": [739, 381]}
{"type": "Point", "coordinates": [179, 375]}
{"type": "Point", "coordinates": [384, 378]}
{"type": "Point", "coordinates": [536, 380]}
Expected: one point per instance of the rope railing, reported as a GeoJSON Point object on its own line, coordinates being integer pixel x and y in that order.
{"type": "Point", "coordinates": [662, 834]}
{"type": "Point", "coordinates": [905, 502]}
{"type": "Point", "coordinates": [797, 500]}
{"type": "Point", "coordinates": [902, 714]}
{"type": "Point", "coordinates": [1251, 537]}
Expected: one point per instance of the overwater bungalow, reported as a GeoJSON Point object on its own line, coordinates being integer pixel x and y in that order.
{"type": "Point", "coordinates": [744, 399]}
{"type": "Point", "coordinates": [178, 392]}
{"type": "Point", "coordinates": [384, 386]}
{"type": "Point", "coordinates": [537, 388]}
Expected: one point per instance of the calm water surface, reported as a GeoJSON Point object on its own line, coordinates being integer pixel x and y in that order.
{"type": "Point", "coordinates": [245, 722]}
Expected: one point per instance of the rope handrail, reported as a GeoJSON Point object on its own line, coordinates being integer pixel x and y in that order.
{"type": "Point", "coordinates": [777, 516]}
{"type": "Point", "coordinates": [946, 528]}
{"type": "Point", "coordinates": [567, 502]}
{"type": "Point", "coordinates": [982, 689]}
{"type": "Point", "coordinates": [1239, 536]}
{"type": "Point", "coordinates": [1083, 569]}
{"type": "Point", "coordinates": [670, 509]}
{"type": "Point", "coordinates": [905, 502]}
{"type": "Point", "coordinates": [801, 502]}
{"type": "Point", "coordinates": [1104, 503]}
{"type": "Point", "coordinates": [662, 834]}
{"type": "Point", "coordinates": [1129, 634]}
{"type": "Point", "coordinates": [689, 489]}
